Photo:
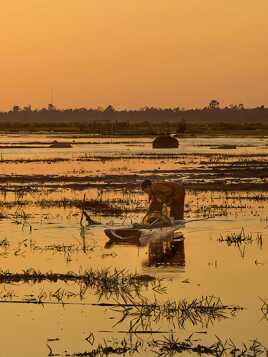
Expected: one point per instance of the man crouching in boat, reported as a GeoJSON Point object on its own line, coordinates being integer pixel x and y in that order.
{"type": "Point", "coordinates": [161, 194]}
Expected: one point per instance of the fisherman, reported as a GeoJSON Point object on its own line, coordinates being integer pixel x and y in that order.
{"type": "Point", "coordinates": [156, 214]}
{"type": "Point", "coordinates": [165, 194]}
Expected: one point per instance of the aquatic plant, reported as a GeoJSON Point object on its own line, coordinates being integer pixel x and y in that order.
{"type": "Point", "coordinates": [238, 238]}
{"type": "Point", "coordinates": [264, 308]}
{"type": "Point", "coordinates": [105, 282]}
{"type": "Point", "coordinates": [169, 346]}
{"type": "Point", "coordinates": [114, 347]}
{"type": "Point", "coordinates": [204, 311]}
{"type": "Point", "coordinates": [166, 346]}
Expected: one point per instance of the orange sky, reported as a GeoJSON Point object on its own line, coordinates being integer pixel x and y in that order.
{"type": "Point", "coordinates": [132, 53]}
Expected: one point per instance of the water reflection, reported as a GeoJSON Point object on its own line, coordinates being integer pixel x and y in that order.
{"type": "Point", "coordinates": [161, 252]}
{"type": "Point", "coordinates": [166, 253]}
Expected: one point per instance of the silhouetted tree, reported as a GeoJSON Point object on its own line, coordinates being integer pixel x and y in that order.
{"type": "Point", "coordinates": [109, 109]}
{"type": "Point", "coordinates": [16, 108]}
{"type": "Point", "coordinates": [51, 107]}
{"type": "Point", "coordinates": [214, 104]}
{"type": "Point", "coordinates": [27, 108]}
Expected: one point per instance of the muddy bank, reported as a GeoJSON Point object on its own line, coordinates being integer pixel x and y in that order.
{"type": "Point", "coordinates": [215, 172]}
{"type": "Point", "coordinates": [27, 161]}
{"type": "Point", "coordinates": [129, 182]}
{"type": "Point", "coordinates": [45, 144]}
{"type": "Point", "coordinates": [101, 207]}
{"type": "Point", "coordinates": [214, 160]}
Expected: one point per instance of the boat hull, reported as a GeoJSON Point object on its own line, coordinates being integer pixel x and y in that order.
{"type": "Point", "coordinates": [142, 235]}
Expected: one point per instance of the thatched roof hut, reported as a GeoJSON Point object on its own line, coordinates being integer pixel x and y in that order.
{"type": "Point", "coordinates": [165, 142]}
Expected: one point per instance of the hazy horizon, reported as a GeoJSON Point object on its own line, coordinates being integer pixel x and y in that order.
{"type": "Point", "coordinates": [131, 54]}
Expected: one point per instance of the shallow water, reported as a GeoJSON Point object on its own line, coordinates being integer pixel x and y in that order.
{"type": "Point", "coordinates": [50, 238]}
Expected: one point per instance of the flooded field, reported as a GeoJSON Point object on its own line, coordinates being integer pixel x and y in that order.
{"type": "Point", "coordinates": [67, 291]}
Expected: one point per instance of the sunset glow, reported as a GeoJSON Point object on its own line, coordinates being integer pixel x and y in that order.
{"type": "Point", "coordinates": [133, 53]}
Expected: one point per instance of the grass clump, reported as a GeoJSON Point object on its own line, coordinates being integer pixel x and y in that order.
{"type": "Point", "coordinates": [105, 281]}
{"type": "Point", "coordinates": [169, 346]}
{"type": "Point", "coordinates": [203, 311]}
{"type": "Point", "coordinates": [122, 347]}
{"type": "Point", "coordinates": [241, 237]}
{"type": "Point", "coordinates": [264, 308]}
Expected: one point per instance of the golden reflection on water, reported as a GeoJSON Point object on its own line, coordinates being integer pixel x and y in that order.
{"type": "Point", "coordinates": [201, 265]}
{"type": "Point", "coordinates": [166, 253]}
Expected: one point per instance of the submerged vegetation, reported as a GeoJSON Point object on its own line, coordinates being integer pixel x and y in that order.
{"type": "Point", "coordinates": [104, 281]}
{"type": "Point", "coordinates": [264, 308]}
{"type": "Point", "coordinates": [201, 311]}
{"type": "Point", "coordinates": [241, 237]}
{"type": "Point", "coordinates": [167, 346]}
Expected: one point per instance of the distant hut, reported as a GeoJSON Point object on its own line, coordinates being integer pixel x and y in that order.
{"type": "Point", "coordinates": [56, 144]}
{"type": "Point", "coordinates": [165, 142]}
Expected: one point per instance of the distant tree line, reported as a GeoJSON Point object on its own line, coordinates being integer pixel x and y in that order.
{"type": "Point", "coordinates": [147, 120]}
